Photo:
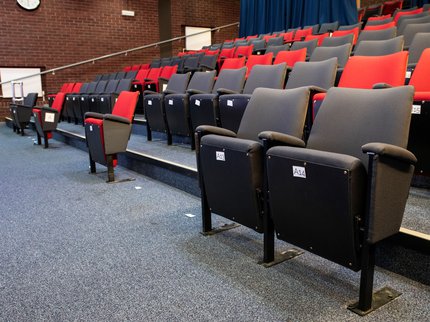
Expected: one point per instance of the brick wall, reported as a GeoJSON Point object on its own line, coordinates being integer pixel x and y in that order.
{"type": "Point", "coordinates": [62, 32]}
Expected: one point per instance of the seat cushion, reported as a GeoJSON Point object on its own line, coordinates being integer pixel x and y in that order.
{"type": "Point", "coordinates": [422, 96]}
{"type": "Point", "coordinates": [99, 123]}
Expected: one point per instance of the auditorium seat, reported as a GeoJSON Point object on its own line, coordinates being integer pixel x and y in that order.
{"type": "Point", "coordinates": [93, 101]}
{"type": "Point", "coordinates": [379, 47]}
{"type": "Point", "coordinates": [233, 63]}
{"type": "Point", "coordinates": [411, 30]}
{"type": "Point", "coordinates": [380, 21]}
{"type": "Point", "coordinates": [319, 37]}
{"type": "Point", "coordinates": [65, 113]}
{"type": "Point", "coordinates": [338, 40]}
{"type": "Point", "coordinates": [71, 102]}
{"type": "Point", "coordinates": [347, 190]}
{"type": "Point", "coordinates": [300, 34]}
{"type": "Point", "coordinates": [163, 78]}
{"type": "Point", "coordinates": [243, 51]}
{"type": "Point", "coordinates": [275, 41]}
{"type": "Point", "coordinates": [75, 101]}
{"type": "Point", "coordinates": [276, 49]}
{"type": "Point", "coordinates": [177, 105]}
{"type": "Point", "coordinates": [259, 46]}
{"type": "Point", "coordinates": [85, 100]}
{"type": "Point", "coordinates": [21, 113]}
{"type": "Point", "coordinates": [290, 57]}
{"type": "Point", "coordinates": [387, 25]}
{"type": "Point", "coordinates": [383, 34]}
{"type": "Point", "coordinates": [230, 165]}
{"type": "Point", "coordinates": [371, 11]}
{"type": "Point", "coordinates": [232, 106]}
{"type": "Point", "coordinates": [328, 27]}
{"type": "Point", "coordinates": [253, 60]}
{"type": "Point", "coordinates": [310, 45]}
{"type": "Point", "coordinates": [46, 118]}
{"type": "Point", "coordinates": [388, 7]}
{"type": "Point", "coordinates": [108, 134]}
{"type": "Point", "coordinates": [155, 113]}
{"type": "Point", "coordinates": [401, 13]}
{"type": "Point", "coordinates": [106, 101]}
{"type": "Point", "coordinates": [340, 33]}
{"type": "Point", "coordinates": [420, 42]}
{"type": "Point", "coordinates": [402, 23]}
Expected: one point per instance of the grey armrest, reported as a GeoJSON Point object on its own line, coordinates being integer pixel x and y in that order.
{"type": "Point", "coordinates": [209, 129]}
{"type": "Point", "coordinates": [148, 92]}
{"type": "Point", "coordinates": [381, 86]}
{"type": "Point", "coordinates": [223, 91]}
{"type": "Point", "coordinates": [277, 138]}
{"type": "Point", "coordinates": [93, 115]}
{"type": "Point", "coordinates": [317, 89]}
{"type": "Point", "coordinates": [20, 105]}
{"type": "Point", "coordinates": [168, 91]}
{"type": "Point", "coordinates": [194, 91]}
{"type": "Point", "coordinates": [47, 109]}
{"type": "Point", "coordinates": [391, 151]}
{"type": "Point", "coordinates": [116, 118]}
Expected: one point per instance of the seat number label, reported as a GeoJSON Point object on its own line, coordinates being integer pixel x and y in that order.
{"type": "Point", "coordinates": [299, 172]}
{"type": "Point", "coordinates": [149, 102]}
{"type": "Point", "coordinates": [49, 117]}
{"type": "Point", "coordinates": [170, 102]}
{"type": "Point", "coordinates": [229, 103]}
{"type": "Point", "coordinates": [197, 103]}
{"type": "Point", "coordinates": [91, 128]}
{"type": "Point", "coordinates": [408, 74]}
{"type": "Point", "coordinates": [416, 109]}
{"type": "Point", "coordinates": [220, 156]}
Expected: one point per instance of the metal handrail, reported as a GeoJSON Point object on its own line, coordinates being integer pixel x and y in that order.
{"type": "Point", "coordinates": [123, 52]}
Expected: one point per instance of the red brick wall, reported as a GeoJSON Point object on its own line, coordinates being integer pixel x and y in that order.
{"type": "Point", "coordinates": [62, 32]}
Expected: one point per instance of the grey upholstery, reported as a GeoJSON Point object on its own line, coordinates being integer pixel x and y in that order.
{"type": "Point", "coordinates": [191, 64]}
{"type": "Point", "coordinates": [232, 106]}
{"type": "Point", "coordinates": [378, 22]}
{"type": "Point", "coordinates": [405, 18]}
{"type": "Point", "coordinates": [154, 105]}
{"type": "Point", "coordinates": [215, 46]}
{"type": "Point", "coordinates": [227, 45]}
{"type": "Point", "coordinates": [233, 188]}
{"type": "Point", "coordinates": [328, 26]}
{"type": "Point", "coordinates": [319, 74]}
{"type": "Point", "coordinates": [337, 41]}
{"type": "Point", "coordinates": [71, 103]}
{"type": "Point", "coordinates": [241, 43]}
{"type": "Point", "coordinates": [379, 47]}
{"type": "Point", "coordinates": [348, 189]}
{"type": "Point", "coordinates": [259, 45]}
{"type": "Point", "coordinates": [420, 42]}
{"type": "Point", "coordinates": [404, 22]}
{"type": "Point", "coordinates": [105, 102]}
{"type": "Point", "coordinates": [93, 103]}
{"type": "Point", "coordinates": [208, 62]}
{"type": "Point", "coordinates": [340, 52]}
{"type": "Point", "coordinates": [165, 61]}
{"type": "Point", "coordinates": [177, 105]}
{"type": "Point", "coordinates": [383, 34]}
{"type": "Point", "coordinates": [315, 28]}
{"type": "Point", "coordinates": [350, 27]}
{"type": "Point", "coordinates": [276, 41]}
{"type": "Point", "coordinates": [204, 107]}
{"type": "Point", "coordinates": [276, 49]}
{"type": "Point", "coordinates": [21, 113]}
{"type": "Point", "coordinates": [310, 46]}
{"type": "Point", "coordinates": [412, 29]}
{"type": "Point", "coordinates": [155, 63]}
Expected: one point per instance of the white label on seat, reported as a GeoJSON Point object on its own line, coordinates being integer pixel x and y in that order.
{"type": "Point", "coordinates": [229, 103]}
{"type": "Point", "coordinates": [416, 109]}
{"type": "Point", "coordinates": [299, 172]}
{"type": "Point", "coordinates": [91, 128]}
{"type": "Point", "coordinates": [198, 102]}
{"type": "Point", "coordinates": [92, 100]}
{"type": "Point", "coordinates": [170, 102]}
{"type": "Point", "coordinates": [164, 87]}
{"type": "Point", "coordinates": [102, 99]}
{"type": "Point", "coordinates": [220, 156]}
{"type": "Point", "coordinates": [74, 98]}
{"type": "Point", "coordinates": [408, 74]}
{"type": "Point", "coordinates": [149, 102]}
{"type": "Point", "coordinates": [82, 98]}
{"type": "Point", "coordinates": [49, 117]}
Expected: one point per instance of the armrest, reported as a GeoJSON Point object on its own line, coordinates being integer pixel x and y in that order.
{"type": "Point", "coordinates": [277, 138]}
{"type": "Point", "coordinates": [381, 86]}
{"type": "Point", "coordinates": [223, 91]}
{"type": "Point", "coordinates": [169, 91]}
{"type": "Point", "coordinates": [317, 89]}
{"type": "Point", "coordinates": [163, 79]}
{"type": "Point", "coordinates": [194, 91]}
{"type": "Point", "coordinates": [147, 92]}
{"type": "Point", "coordinates": [116, 118]}
{"type": "Point", "coordinates": [47, 109]}
{"type": "Point", "coordinates": [389, 150]}
{"type": "Point", "coordinates": [209, 129]}
{"type": "Point", "coordinates": [93, 115]}
{"type": "Point", "coordinates": [148, 80]}
{"type": "Point", "coordinates": [20, 105]}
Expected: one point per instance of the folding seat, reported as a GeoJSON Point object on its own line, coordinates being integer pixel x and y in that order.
{"type": "Point", "coordinates": [244, 51]}
{"type": "Point", "coordinates": [72, 101]}
{"type": "Point", "coordinates": [315, 28]}
{"type": "Point", "coordinates": [98, 77]}
{"type": "Point", "coordinates": [268, 37]}
{"type": "Point", "coordinates": [156, 63]}
{"type": "Point", "coordinates": [328, 27]}
{"type": "Point", "coordinates": [224, 54]}
{"type": "Point", "coordinates": [294, 29]}
{"type": "Point", "coordinates": [75, 101]}
{"type": "Point", "coordinates": [204, 107]}
{"type": "Point", "coordinates": [380, 27]}
{"type": "Point", "coordinates": [276, 49]}
{"type": "Point", "coordinates": [332, 199]}
{"type": "Point", "coordinates": [402, 23]}
{"type": "Point", "coordinates": [340, 52]}
{"type": "Point", "coordinates": [349, 27]}
{"type": "Point", "coordinates": [240, 43]}
{"type": "Point", "coordinates": [65, 88]}
{"type": "Point", "coordinates": [131, 74]}
{"type": "Point", "coordinates": [338, 40]}
{"type": "Point", "coordinates": [139, 84]}
{"type": "Point", "coordinates": [288, 36]}
{"type": "Point", "coordinates": [388, 7]}
{"type": "Point", "coordinates": [232, 106]}
{"type": "Point", "coordinates": [253, 60]}
{"type": "Point", "coordinates": [144, 66]}
{"type": "Point", "coordinates": [379, 47]}
{"type": "Point", "coordinates": [419, 133]}
{"type": "Point", "coordinates": [259, 46]}
{"type": "Point", "coordinates": [112, 76]}
{"type": "Point", "coordinates": [420, 42]}
{"type": "Point", "coordinates": [228, 45]}
{"type": "Point", "coordinates": [339, 33]}
{"type": "Point", "coordinates": [230, 165]}
{"type": "Point", "coordinates": [412, 29]}
{"type": "Point", "coordinates": [290, 57]}
{"type": "Point", "coordinates": [105, 77]}
{"type": "Point", "coordinates": [120, 75]}
{"type": "Point", "coordinates": [319, 37]}
{"type": "Point", "coordinates": [46, 118]}
{"type": "Point", "coordinates": [401, 13]}
{"type": "Point", "coordinates": [137, 67]}
{"type": "Point", "coordinates": [379, 21]}
{"type": "Point", "coordinates": [383, 34]}
{"type": "Point", "coordinates": [21, 113]}
{"type": "Point", "coordinates": [109, 89]}
{"type": "Point", "coordinates": [106, 101]}
{"type": "Point", "coordinates": [165, 61]}
{"type": "Point", "coordinates": [155, 113]}
{"type": "Point", "coordinates": [191, 64]}
{"type": "Point", "coordinates": [108, 134]}
{"type": "Point", "coordinates": [208, 63]}
{"type": "Point", "coordinates": [300, 34]}
{"type": "Point", "coordinates": [65, 112]}
{"type": "Point", "coordinates": [371, 11]}
{"type": "Point", "coordinates": [251, 37]}
{"type": "Point", "coordinates": [177, 61]}
{"type": "Point", "coordinates": [310, 45]}
{"type": "Point", "coordinates": [158, 84]}
{"type": "Point", "coordinates": [215, 47]}
{"type": "Point", "coordinates": [177, 105]}
{"type": "Point", "coordinates": [233, 63]}
{"type": "Point", "coordinates": [127, 68]}
{"type": "Point", "coordinates": [275, 41]}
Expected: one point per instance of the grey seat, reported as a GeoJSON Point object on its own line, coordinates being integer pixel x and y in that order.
{"type": "Point", "coordinates": [350, 27]}
{"type": "Point", "coordinates": [347, 190]}
{"type": "Point", "coordinates": [412, 29]}
{"type": "Point", "coordinates": [310, 46]}
{"type": "Point", "coordinates": [259, 46]}
{"type": "Point", "coordinates": [71, 103]}
{"type": "Point", "coordinates": [21, 113]}
{"type": "Point", "coordinates": [378, 22]}
{"type": "Point", "coordinates": [315, 28]}
{"type": "Point", "coordinates": [86, 98]}
{"type": "Point", "coordinates": [204, 107]}
{"type": "Point", "coordinates": [177, 105]}
{"type": "Point", "coordinates": [276, 41]}
{"type": "Point", "coordinates": [404, 22]}
{"type": "Point", "coordinates": [383, 34]}
{"type": "Point", "coordinates": [337, 41]}
{"type": "Point", "coordinates": [276, 49]}
{"type": "Point", "coordinates": [328, 27]}
{"type": "Point", "coordinates": [340, 52]}
{"type": "Point", "coordinates": [230, 165]}
{"type": "Point", "coordinates": [154, 109]}
{"type": "Point", "coordinates": [106, 101]}
{"type": "Point", "coordinates": [208, 63]}
{"type": "Point", "coordinates": [420, 42]}
{"type": "Point", "coordinates": [155, 63]}
{"type": "Point", "coordinates": [232, 106]}
{"type": "Point", "coordinates": [379, 47]}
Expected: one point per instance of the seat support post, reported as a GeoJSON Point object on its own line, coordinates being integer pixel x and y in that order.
{"type": "Point", "coordinates": [92, 164]}
{"type": "Point", "coordinates": [45, 139]}
{"type": "Point", "coordinates": [366, 278]}
{"type": "Point", "coordinates": [268, 228]}
{"type": "Point", "coordinates": [111, 175]}
{"type": "Point", "coordinates": [39, 139]}
{"type": "Point", "coordinates": [148, 132]}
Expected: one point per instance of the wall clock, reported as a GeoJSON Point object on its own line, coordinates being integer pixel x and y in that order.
{"type": "Point", "coordinates": [28, 4]}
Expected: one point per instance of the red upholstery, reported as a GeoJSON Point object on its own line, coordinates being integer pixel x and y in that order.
{"type": "Point", "coordinates": [140, 77]}
{"type": "Point", "coordinates": [319, 37]}
{"type": "Point", "coordinates": [383, 17]}
{"type": "Point", "coordinates": [302, 33]}
{"type": "Point", "coordinates": [267, 37]}
{"type": "Point", "coordinates": [166, 72]}
{"type": "Point", "coordinates": [126, 104]}
{"type": "Point", "coordinates": [212, 52]}
{"type": "Point", "coordinates": [127, 68]}
{"type": "Point", "coordinates": [145, 66]}
{"type": "Point", "coordinates": [251, 37]}
{"type": "Point", "coordinates": [389, 7]}
{"type": "Point", "coordinates": [238, 39]}
{"type": "Point", "coordinates": [288, 36]}
{"type": "Point", "coordinates": [258, 60]}
{"type": "Point", "coordinates": [59, 102]}
{"type": "Point", "coordinates": [233, 63]}
{"type": "Point", "coordinates": [76, 88]}
{"type": "Point", "coordinates": [290, 57]}
{"type": "Point", "coordinates": [340, 33]}
{"type": "Point", "coordinates": [404, 13]}
{"type": "Point", "coordinates": [225, 53]}
{"type": "Point", "coordinates": [380, 27]}
{"type": "Point", "coordinates": [69, 88]}
{"type": "Point", "coordinates": [243, 51]}
{"type": "Point", "coordinates": [420, 77]}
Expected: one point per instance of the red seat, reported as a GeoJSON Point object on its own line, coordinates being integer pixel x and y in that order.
{"type": "Point", "coordinates": [405, 13]}
{"type": "Point", "coordinates": [258, 60]}
{"type": "Point", "coordinates": [319, 37]}
{"type": "Point", "coordinates": [339, 33]}
{"type": "Point", "coordinates": [380, 27]}
{"type": "Point", "coordinates": [233, 63]}
{"type": "Point", "coordinates": [245, 51]}
{"type": "Point", "coordinates": [302, 33]}
{"type": "Point", "coordinates": [290, 57]}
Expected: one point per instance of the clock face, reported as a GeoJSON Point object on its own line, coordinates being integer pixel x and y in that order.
{"type": "Point", "coordinates": [28, 4]}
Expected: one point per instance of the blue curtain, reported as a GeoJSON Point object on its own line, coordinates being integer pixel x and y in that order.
{"type": "Point", "coordinates": [263, 16]}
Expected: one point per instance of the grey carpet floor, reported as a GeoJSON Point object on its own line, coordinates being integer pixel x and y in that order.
{"type": "Point", "coordinates": [75, 248]}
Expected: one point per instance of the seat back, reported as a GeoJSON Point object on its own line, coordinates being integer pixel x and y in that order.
{"type": "Point", "coordinates": [226, 53]}
{"type": "Point", "coordinates": [383, 34]}
{"type": "Point", "coordinates": [340, 52]}
{"type": "Point", "coordinates": [84, 88]}
{"type": "Point", "coordinates": [232, 79]}
{"type": "Point", "coordinates": [112, 76]}
{"type": "Point", "coordinates": [374, 10]}
{"type": "Point", "coordinates": [290, 57]}
{"type": "Point", "coordinates": [338, 40]}
{"type": "Point", "coordinates": [120, 75]}
{"type": "Point", "coordinates": [300, 34]}
{"type": "Point", "coordinates": [76, 88]}
{"type": "Point", "coordinates": [123, 85]}
{"type": "Point", "coordinates": [350, 27]}
{"type": "Point", "coordinates": [111, 86]}
{"type": "Point", "coordinates": [233, 63]}
{"type": "Point", "coordinates": [366, 71]}
{"type": "Point", "coordinates": [141, 75]}
{"type": "Point", "coordinates": [420, 42]}
{"type": "Point", "coordinates": [276, 49]}
{"type": "Point", "coordinates": [69, 88]}
{"type": "Point", "coordinates": [253, 60]}
{"type": "Point", "coordinates": [243, 51]}
{"type": "Point", "coordinates": [154, 73]}
{"type": "Point", "coordinates": [30, 99]}
{"type": "Point", "coordinates": [379, 47]}
{"type": "Point", "coordinates": [314, 28]}
{"type": "Point", "coordinates": [406, 13]}
{"type": "Point", "coordinates": [269, 76]}
{"type": "Point", "coordinates": [155, 63]}
{"type": "Point", "coordinates": [258, 44]}
{"type": "Point", "coordinates": [375, 22]}
{"type": "Point", "coordinates": [388, 7]}
{"type": "Point", "coordinates": [420, 76]}
{"type": "Point", "coordinates": [402, 25]}
{"type": "Point", "coordinates": [387, 25]}
{"type": "Point", "coordinates": [319, 73]}
{"type": "Point", "coordinates": [285, 113]}
{"type": "Point", "coordinates": [191, 62]}
{"type": "Point", "coordinates": [168, 71]}
{"type": "Point", "coordinates": [101, 86]}
{"type": "Point", "coordinates": [328, 27]}
{"type": "Point", "coordinates": [202, 81]}
{"type": "Point", "coordinates": [411, 30]}
{"type": "Point", "coordinates": [165, 61]}
{"type": "Point", "coordinates": [275, 41]}
{"type": "Point", "coordinates": [209, 62]}
{"type": "Point", "coordinates": [319, 37]}
{"type": "Point", "coordinates": [178, 83]}
{"type": "Point", "coordinates": [131, 74]}
{"type": "Point", "coordinates": [126, 104]}
{"type": "Point", "coordinates": [59, 102]}
{"type": "Point", "coordinates": [310, 45]}
{"type": "Point", "coordinates": [354, 31]}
